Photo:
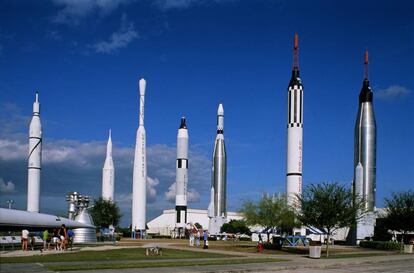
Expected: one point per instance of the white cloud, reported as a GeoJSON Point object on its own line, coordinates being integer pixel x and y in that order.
{"type": "Point", "coordinates": [72, 11]}
{"type": "Point", "coordinates": [12, 149]}
{"type": "Point", "coordinates": [170, 194]}
{"type": "Point", "coordinates": [183, 4]}
{"type": "Point", "coordinates": [192, 194]}
{"type": "Point", "coordinates": [6, 187]}
{"type": "Point", "coordinates": [175, 4]}
{"type": "Point", "coordinates": [393, 91]}
{"type": "Point", "coordinates": [120, 39]}
{"type": "Point", "coordinates": [151, 191]}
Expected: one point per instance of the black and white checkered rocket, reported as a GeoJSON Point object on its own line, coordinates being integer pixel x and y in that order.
{"type": "Point", "coordinates": [295, 131]}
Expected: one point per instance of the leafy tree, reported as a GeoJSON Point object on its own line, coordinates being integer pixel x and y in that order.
{"type": "Point", "coordinates": [105, 213]}
{"type": "Point", "coordinates": [235, 226]}
{"type": "Point", "coordinates": [329, 206]}
{"type": "Point", "coordinates": [381, 231]}
{"type": "Point", "coordinates": [270, 212]}
{"type": "Point", "coordinates": [400, 213]}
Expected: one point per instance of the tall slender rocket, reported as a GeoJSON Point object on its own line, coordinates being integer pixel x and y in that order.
{"type": "Point", "coordinates": [181, 175]}
{"type": "Point", "coordinates": [219, 168]}
{"type": "Point", "coordinates": [365, 141]}
{"type": "Point", "coordinates": [108, 173]}
{"type": "Point", "coordinates": [35, 159]}
{"type": "Point", "coordinates": [294, 130]}
{"type": "Point", "coordinates": [139, 180]}
{"type": "Point", "coordinates": [217, 209]}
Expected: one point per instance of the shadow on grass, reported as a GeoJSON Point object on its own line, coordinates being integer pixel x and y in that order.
{"type": "Point", "coordinates": [160, 264]}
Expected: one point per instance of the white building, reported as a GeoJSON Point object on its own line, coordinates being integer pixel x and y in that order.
{"type": "Point", "coordinates": [165, 223]}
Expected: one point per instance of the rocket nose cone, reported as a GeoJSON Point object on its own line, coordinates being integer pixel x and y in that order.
{"type": "Point", "coordinates": [183, 125]}
{"type": "Point", "coordinates": [142, 86]}
{"type": "Point", "coordinates": [220, 110]}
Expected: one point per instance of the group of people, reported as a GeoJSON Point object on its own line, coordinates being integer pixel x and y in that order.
{"type": "Point", "coordinates": [195, 236]}
{"type": "Point", "coordinates": [60, 239]}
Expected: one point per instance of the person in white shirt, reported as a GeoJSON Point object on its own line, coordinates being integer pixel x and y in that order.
{"type": "Point", "coordinates": [191, 237]}
{"type": "Point", "coordinates": [25, 238]}
{"type": "Point", "coordinates": [112, 233]}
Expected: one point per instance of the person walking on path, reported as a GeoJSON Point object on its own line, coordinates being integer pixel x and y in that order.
{"type": "Point", "coordinates": [45, 239]}
{"type": "Point", "coordinates": [71, 234]}
{"type": "Point", "coordinates": [205, 239]}
{"type": "Point", "coordinates": [25, 239]}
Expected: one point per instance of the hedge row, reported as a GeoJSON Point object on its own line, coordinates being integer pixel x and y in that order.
{"type": "Point", "coordinates": [383, 245]}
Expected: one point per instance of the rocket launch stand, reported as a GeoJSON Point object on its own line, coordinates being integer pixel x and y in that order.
{"type": "Point", "coordinates": [215, 224]}
{"type": "Point", "coordinates": [365, 226]}
{"type": "Point", "coordinates": [179, 232]}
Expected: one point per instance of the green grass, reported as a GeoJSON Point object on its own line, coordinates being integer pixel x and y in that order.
{"type": "Point", "coordinates": [110, 255]}
{"type": "Point", "coordinates": [159, 264]}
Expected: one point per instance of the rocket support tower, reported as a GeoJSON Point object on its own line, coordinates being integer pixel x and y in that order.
{"type": "Point", "coordinates": [139, 180]}
{"type": "Point", "coordinates": [217, 211]}
{"type": "Point", "coordinates": [294, 131]}
{"type": "Point", "coordinates": [35, 159]}
{"type": "Point", "coordinates": [181, 176]}
{"type": "Point", "coordinates": [108, 173]}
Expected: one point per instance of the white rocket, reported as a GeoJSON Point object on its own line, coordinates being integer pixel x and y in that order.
{"type": "Point", "coordinates": [181, 175]}
{"type": "Point", "coordinates": [108, 173]}
{"type": "Point", "coordinates": [217, 209]}
{"type": "Point", "coordinates": [139, 180]}
{"type": "Point", "coordinates": [295, 131]}
{"type": "Point", "coordinates": [35, 159]}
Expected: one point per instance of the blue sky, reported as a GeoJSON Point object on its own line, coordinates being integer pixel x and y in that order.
{"type": "Point", "coordinates": [86, 58]}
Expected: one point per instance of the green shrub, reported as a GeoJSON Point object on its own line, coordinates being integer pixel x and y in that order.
{"type": "Point", "coordinates": [383, 245]}
{"type": "Point", "coordinates": [273, 246]}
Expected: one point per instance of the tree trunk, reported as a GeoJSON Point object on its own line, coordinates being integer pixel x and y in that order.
{"type": "Point", "coordinates": [327, 244]}
{"type": "Point", "coordinates": [402, 242]}
{"type": "Point", "coordinates": [268, 237]}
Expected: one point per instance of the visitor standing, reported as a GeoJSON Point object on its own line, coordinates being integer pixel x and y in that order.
{"type": "Point", "coordinates": [198, 238]}
{"type": "Point", "coordinates": [112, 233]}
{"type": "Point", "coordinates": [25, 238]}
{"type": "Point", "coordinates": [205, 239]}
{"type": "Point", "coordinates": [55, 239]}
{"type": "Point", "coordinates": [63, 237]}
{"type": "Point", "coordinates": [191, 237]}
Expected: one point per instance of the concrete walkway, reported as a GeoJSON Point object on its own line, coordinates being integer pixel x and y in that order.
{"type": "Point", "coordinates": [391, 263]}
